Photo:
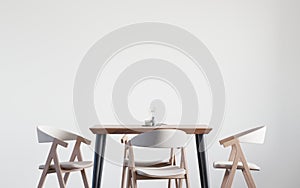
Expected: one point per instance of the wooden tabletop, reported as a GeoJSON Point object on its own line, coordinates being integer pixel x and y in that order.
{"type": "Point", "coordinates": [136, 129]}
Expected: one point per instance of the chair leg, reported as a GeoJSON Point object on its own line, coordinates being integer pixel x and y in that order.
{"type": "Point", "coordinates": [66, 177]}
{"type": "Point", "coordinates": [187, 181]}
{"type": "Point", "coordinates": [84, 178]}
{"type": "Point", "coordinates": [225, 178]}
{"type": "Point", "coordinates": [229, 179]}
{"type": "Point", "coordinates": [43, 178]}
{"type": "Point", "coordinates": [177, 183]}
{"type": "Point", "coordinates": [58, 172]}
{"type": "Point", "coordinates": [134, 182]}
{"type": "Point", "coordinates": [249, 179]}
{"type": "Point", "coordinates": [45, 171]}
{"type": "Point", "coordinates": [60, 179]}
{"type": "Point", "coordinates": [128, 178]}
{"type": "Point", "coordinates": [229, 173]}
{"type": "Point", "coordinates": [44, 174]}
{"type": "Point", "coordinates": [246, 171]}
{"type": "Point", "coordinates": [180, 183]}
{"type": "Point", "coordinates": [169, 183]}
{"type": "Point", "coordinates": [123, 177]}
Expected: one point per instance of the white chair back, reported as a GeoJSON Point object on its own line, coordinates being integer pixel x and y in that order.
{"type": "Point", "coordinates": [167, 138]}
{"type": "Point", "coordinates": [255, 135]}
{"type": "Point", "coordinates": [48, 134]}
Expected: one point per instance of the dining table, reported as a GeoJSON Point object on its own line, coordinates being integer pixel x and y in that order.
{"type": "Point", "coordinates": [101, 132]}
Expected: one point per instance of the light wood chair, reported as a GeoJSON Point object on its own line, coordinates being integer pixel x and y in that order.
{"type": "Point", "coordinates": [168, 138]}
{"type": "Point", "coordinates": [58, 137]}
{"type": "Point", "coordinates": [152, 163]}
{"type": "Point", "coordinates": [237, 159]}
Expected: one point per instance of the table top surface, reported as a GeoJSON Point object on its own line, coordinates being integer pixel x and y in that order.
{"type": "Point", "coordinates": [136, 129]}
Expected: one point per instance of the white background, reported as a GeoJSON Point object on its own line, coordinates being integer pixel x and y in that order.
{"type": "Point", "coordinates": [256, 45]}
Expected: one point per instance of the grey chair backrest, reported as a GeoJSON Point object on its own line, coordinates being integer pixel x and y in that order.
{"type": "Point", "coordinates": [48, 134]}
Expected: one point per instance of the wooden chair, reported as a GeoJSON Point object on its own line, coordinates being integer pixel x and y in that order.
{"type": "Point", "coordinates": [152, 163]}
{"type": "Point", "coordinates": [237, 159]}
{"type": "Point", "coordinates": [58, 137]}
{"type": "Point", "coordinates": [167, 138]}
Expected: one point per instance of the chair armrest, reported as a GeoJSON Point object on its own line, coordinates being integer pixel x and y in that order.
{"type": "Point", "coordinates": [83, 140]}
{"type": "Point", "coordinates": [124, 139]}
{"type": "Point", "coordinates": [60, 142]}
{"type": "Point", "coordinates": [228, 141]}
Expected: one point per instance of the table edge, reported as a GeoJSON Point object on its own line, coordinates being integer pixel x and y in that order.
{"type": "Point", "coordinates": [138, 130]}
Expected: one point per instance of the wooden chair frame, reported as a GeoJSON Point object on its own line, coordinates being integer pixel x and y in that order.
{"type": "Point", "coordinates": [126, 171]}
{"type": "Point", "coordinates": [53, 156]}
{"type": "Point", "coordinates": [133, 176]}
{"type": "Point", "coordinates": [236, 156]}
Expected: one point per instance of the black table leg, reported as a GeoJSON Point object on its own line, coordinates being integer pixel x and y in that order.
{"type": "Point", "coordinates": [202, 160]}
{"type": "Point", "coordinates": [98, 160]}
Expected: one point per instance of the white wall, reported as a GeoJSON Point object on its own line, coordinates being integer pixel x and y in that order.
{"type": "Point", "coordinates": [255, 43]}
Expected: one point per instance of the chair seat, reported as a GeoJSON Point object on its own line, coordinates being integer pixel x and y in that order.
{"type": "Point", "coordinates": [141, 163]}
{"type": "Point", "coordinates": [161, 172]}
{"type": "Point", "coordinates": [228, 165]}
{"type": "Point", "coordinates": [71, 165]}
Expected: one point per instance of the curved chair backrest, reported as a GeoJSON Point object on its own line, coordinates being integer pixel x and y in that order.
{"type": "Point", "coordinates": [167, 138]}
{"type": "Point", "coordinates": [255, 135]}
{"type": "Point", "coordinates": [48, 134]}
